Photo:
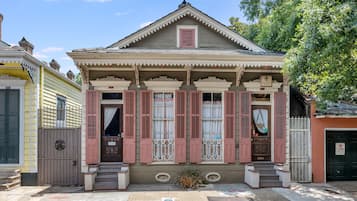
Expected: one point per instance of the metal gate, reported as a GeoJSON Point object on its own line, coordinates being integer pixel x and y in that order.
{"type": "Point", "coordinates": [300, 149]}
{"type": "Point", "coordinates": [59, 156]}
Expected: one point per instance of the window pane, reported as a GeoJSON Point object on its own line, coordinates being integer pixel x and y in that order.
{"type": "Point", "coordinates": [217, 96]}
{"type": "Point", "coordinates": [163, 116]}
{"type": "Point", "coordinates": [206, 97]}
{"type": "Point", "coordinates": [112, 96]}
{"type": "Point", "coordinates": [61, 107]}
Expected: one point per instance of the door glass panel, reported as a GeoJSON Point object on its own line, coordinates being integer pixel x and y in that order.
{"type": "Point", "coordinates": [111, 121]}
{"type": "Point", "coordinates": [260, 120]}
{"type": "Point", "coordinates": [9, 125]}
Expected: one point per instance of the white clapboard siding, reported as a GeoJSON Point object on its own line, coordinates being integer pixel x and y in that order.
{"type": "Point", "coordinates": [300, 149]}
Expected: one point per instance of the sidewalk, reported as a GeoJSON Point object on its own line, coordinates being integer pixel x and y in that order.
{"type": "Point", "coordinates": [157, 192]}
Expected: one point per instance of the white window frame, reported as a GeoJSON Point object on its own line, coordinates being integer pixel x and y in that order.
{"type": "Point", "coordinates": [179, 27]}
{"type": "Point", "coordinates": [61, 123]}
{"type": "Point", "coordinates": [20, 85]}
{"type": "Point", "coordinates": [214, 85]}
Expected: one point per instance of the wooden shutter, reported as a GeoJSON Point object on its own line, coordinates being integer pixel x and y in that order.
{"type": "Point", "coordinates": [146, 126]}
{"type": "Point", "coordinates": [129, 127]}
{"type": "Point", "coordinates": [279, 127]}
{"type": "Point", "coordinates": [92, 127]}
{"type": "Point", "coordinates": [195, 120]}
{"type": "Point", "coordinates": [187, 38]}
{"type": "Point", "coordinates": [180, 127]}
{"type": "Point", "coordinates": [245, 112]}
{"type": "Point", "coordinates": [229, 126]}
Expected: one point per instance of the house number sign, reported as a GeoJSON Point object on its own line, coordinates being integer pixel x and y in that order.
{"type": "Point", "coordinates": [340, 149]}
{"type": "Point", "coordinates": [112, 143]}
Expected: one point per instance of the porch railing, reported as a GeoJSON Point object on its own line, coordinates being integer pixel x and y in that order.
{"type": "Point", "coordinates": [164, 149]}
{"type": "Point", "coordinates": [212, 150]}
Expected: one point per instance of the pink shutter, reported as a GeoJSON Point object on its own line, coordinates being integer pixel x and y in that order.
{"type": "Point", "coordinates": [229, 126]}
{"type": "Point", "coordinates": [92, 127]}
{"type": "Point", "coordinates": [180, 124]}
{"type": "Point", "coordinates": [129, 127]}
{"type": "Point", "coordinates": [145, 126]}
{"type": "Point", "coordinates": [187, 38]}
{"type": "Point", "coordinates": [245, 111]}
{"type": "Point", "coordinates": [279, 127]}
{"type": "Point", "coordinates": [195, 120]}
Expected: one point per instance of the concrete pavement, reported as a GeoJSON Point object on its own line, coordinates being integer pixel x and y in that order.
{"type": "Point", "coordinates": [157, 192]}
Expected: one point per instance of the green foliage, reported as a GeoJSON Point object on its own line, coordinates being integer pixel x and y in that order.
{"type": "Point", "coordinates": [78, 78]}
{"type": "Point", "coordinates": [190, 178]}
{"type": "Point", "coordinates": [318, 36]}
{"type": "Point", "coordinates": [324, 63]}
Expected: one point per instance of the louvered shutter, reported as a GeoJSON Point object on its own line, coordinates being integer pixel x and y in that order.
{"type": "Point", "coordinates": [146, 126]}
{"type": "Point", "coordinates": [229, 127]}
{"type": "Point", "coordinates": [129, 127]}
{"type": "Point", "coordinates": [180, 127]}
{"type": "Point", "coordinates": [92, 127]}
{"type": "Point", "coordinates": [245, 111]}
{"type": "Point", "coordinates": [187, 38]}
{"type": "Point", "coordinates": [196, 124]}
{"type": "Point", "coordinates": [279, 127]}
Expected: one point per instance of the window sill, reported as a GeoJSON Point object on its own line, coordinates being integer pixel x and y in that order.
{"type": "Point", "coordinates": [212, 163]}
{"type": "Point", "coordinates": [163, 163]}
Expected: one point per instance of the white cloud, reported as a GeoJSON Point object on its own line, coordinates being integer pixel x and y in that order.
{"type": "Point", "coordinates": [145, 24]}
{"type": "Point", "coordinates": [97, 1]}
{"type": "Point", "coordinates": [121, 13]}
{"type": "Point", "coordinates": [66, 58]}
{"type": "Point", "coordinates": [52, 49]}
{"type": "Point", "coordinates": [40, 55]}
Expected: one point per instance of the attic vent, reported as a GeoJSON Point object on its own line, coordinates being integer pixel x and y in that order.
{"type": "Point", "coordinates": [187, 37]}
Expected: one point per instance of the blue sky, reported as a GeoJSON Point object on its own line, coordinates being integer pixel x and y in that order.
{"type": "Point", "coordinates": [58, 26]}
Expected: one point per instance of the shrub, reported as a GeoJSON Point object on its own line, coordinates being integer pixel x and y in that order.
{"type": "Point", "coordinates": [190, 178]}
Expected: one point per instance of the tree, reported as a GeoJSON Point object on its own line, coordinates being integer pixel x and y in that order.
{"type": "Point", "coordinates": [78, 78]}
{"type": "Point", "coordinates": [319, 38]}
{"type": "Point", "coordinates": [324, 63]}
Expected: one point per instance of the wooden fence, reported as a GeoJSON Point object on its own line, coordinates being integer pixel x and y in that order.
{"type": "Point", "coordinates": [300, 149]}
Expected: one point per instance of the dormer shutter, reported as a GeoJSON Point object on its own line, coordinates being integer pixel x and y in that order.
{"type": "Point", "coordinates": [187, 38]}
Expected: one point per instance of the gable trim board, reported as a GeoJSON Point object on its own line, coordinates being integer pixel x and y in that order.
{"type": "Point", "coordinates": [178, 14]}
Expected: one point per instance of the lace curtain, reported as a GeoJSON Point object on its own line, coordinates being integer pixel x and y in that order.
{"type": "Point", "coordinates": [163, 116]}
{"type": "Point", "coordinates": [212, 119]}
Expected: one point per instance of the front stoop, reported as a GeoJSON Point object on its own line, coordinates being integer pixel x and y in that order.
{"type": "Point", "coordinates": [9, 179]}
{"type": "Point", "coordinates": [108, 176]}
{"type": "Point", "coordinates": [266, 175]}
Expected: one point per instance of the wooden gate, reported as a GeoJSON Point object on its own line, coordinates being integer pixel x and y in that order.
{"type": "Point", "coordinates": [59, 159]}
{"type": "Point", "coordinates": [300, 149]}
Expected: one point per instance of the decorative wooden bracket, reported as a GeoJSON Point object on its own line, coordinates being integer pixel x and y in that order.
{"type": "Point", "coordinates": [239, 74]}
{"type": "Point", "coordinates": [188, 74]}
{"type": "Point", "coordinates": [137, 76]}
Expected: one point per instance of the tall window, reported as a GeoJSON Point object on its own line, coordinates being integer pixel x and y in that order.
{"type": "Point", "coordinates": [212, 120]}
{"type": "Point", "coordinates": [61, 112]}
{"type": "Point", "coordinates": [212, 116]}
{"type": "Point", "coordinates": [163, 126]}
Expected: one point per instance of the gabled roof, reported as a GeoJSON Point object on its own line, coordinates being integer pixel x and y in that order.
{"type": "Point", "coordinates": [184, 10]}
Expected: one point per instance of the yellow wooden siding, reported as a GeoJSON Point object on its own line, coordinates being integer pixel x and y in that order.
{"type": "Point", "coordinates": [52, 87]}
{"type": "Point", "coordinates": [29, 117]}
{"type": "Point", "coordinates": [30, 127]}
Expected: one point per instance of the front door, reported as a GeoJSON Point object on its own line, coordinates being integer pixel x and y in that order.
{"type": "Point", "coordinates": [112, 128]}
{"type": "Point", "coordinates": [341, 155]}
{"type": "Point", "coordinates": [9, 126]}
{"type": "Point", "coordinates": [261, 132]}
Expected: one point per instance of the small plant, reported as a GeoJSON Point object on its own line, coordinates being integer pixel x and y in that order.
{"type": "Point", "coordinates": [190, 178]}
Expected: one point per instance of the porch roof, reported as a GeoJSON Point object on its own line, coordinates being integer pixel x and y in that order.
{"type": "Point", "coordinates": [176, 57]}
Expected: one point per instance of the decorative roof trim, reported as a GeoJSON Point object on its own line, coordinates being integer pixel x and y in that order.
{"type": "Point", "coordinates": [178, 14]}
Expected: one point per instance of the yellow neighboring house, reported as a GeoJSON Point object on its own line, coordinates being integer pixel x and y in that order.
{"type": "Point", "coordinates": [28, 87]}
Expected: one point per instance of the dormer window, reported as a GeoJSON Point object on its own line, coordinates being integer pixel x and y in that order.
{"type": "Point", "coordinates": [187, 36]}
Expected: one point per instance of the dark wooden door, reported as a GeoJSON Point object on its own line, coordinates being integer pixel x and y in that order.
{"type": "Point", "coordinates": [9, 125]}
{"type": "Point", "coordinates": [112, 128]}
{"type": "Point", "coordinates": [261, 133]}
{"type": "Point", "coordinates": [341, 155]}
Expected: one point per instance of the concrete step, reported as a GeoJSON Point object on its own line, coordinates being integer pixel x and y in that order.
{"type": "Point", "coordinates": [269, 177]}
{"type": "Point", "coordinates": [106, 178]}
{"type": "Point", "coordinates": [106, 186]}
{"type": "Point", "coordinates": [108, 171]}
{"type": "Point", "coordinates": [266, 171]}
{"type": "Point", "coordinates": [270, 183]}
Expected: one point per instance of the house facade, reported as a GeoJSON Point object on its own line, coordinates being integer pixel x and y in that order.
{"type": "Point", "coordinates": [334, 142]}
{"type": "Point", "coordinates": [183, 92]}
{"type": "Point", "coordinates": [26, 86]}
